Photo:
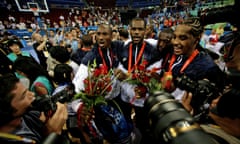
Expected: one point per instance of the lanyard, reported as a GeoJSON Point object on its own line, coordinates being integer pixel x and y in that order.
{"type": "Point", "coordinates": [130, 68]}
{"type": "Point", "coordinates": [188, 61]}
{"type": "Point", "coordinates": [109, 57]}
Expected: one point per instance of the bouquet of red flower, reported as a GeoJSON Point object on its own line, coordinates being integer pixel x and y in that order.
{"type": "Point", "coordinates": [108, 119]}
{"type": "Point", "coordinates": [97, 85]}
{"type": "Point", "coordinates": [144, 79]}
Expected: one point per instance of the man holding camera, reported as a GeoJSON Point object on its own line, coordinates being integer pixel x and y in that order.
{"type": "Point", "coordinates": [223, 110]}
{"type": "Point", "coordinates": [20, 124]}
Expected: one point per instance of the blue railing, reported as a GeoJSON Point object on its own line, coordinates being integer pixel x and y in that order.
{"type": "Point", "coordinates": [28, 32]}
{"type": "Point", "coordinates": [145, 3]}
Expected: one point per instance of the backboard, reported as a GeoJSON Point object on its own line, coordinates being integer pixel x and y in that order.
{"type": "Point", "coordinates": [32, 5]}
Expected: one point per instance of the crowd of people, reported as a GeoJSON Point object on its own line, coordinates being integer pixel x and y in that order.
{"type": "Point", "coordinates": [61, 68]}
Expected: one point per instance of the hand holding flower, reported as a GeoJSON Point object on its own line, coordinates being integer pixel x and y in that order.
{"type": "Point", "coordinates": [121, 76]}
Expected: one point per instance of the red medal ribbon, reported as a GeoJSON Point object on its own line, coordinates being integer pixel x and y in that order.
{"type": "Point", "coordinates": [167, 77]}
{"type": "Point", "coordinates": [130, 68]}
{"type": "Point", "coordinates": [103, 60]}
{"type": "Point", "coordinates": [188, 61]}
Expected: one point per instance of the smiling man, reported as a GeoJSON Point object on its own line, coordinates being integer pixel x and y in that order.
{"type": "Point", "coordinates": [190, 59]}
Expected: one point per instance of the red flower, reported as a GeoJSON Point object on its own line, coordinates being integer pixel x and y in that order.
{"type": "Point", "coordinates": [96, 86]}
{"type": "Point", "coordinates": [144, 79]}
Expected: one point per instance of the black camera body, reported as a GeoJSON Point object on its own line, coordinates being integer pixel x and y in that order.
{"type": "Point", "coordinates": [48, 104]}
{"type": "Point", "coordinates": [170, 123]}
{"type": "Point", "coordinates": [203, 92]}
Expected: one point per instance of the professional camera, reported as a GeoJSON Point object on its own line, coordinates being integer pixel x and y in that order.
{"type": "Point", "coordinates": [47, 104]}
{"type": "Point", "coordinates": [170, 123]}
{"type": "Point", "coordinates": [203, 92]}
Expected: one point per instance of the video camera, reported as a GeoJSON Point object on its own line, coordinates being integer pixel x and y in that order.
{"type": "Point", "coordinates": [170, 123]}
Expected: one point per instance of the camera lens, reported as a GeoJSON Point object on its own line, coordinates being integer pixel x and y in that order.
{"type": "Point", "coordinates": [170, 123]}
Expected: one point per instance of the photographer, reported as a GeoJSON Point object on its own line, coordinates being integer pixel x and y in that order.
{"type": "Point", "coordinates": [225, 124]}
{"type": "Point", "coordinates": [16, 118]}
{"type": "Point", "coordinates": [170, 123]}
{"type": "Point", "coordinates": [223, 110]}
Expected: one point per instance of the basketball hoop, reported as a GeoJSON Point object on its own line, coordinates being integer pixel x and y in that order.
{"type": "Point", "coordinates": [35, 11]}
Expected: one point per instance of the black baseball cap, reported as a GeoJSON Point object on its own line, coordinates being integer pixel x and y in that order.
{"type": "Point", "coordinates": [14, 41]}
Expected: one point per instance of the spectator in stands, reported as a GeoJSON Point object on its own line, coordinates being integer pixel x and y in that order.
{"type": "Point", "coordinates": [51, 37]}
{"type": "Point", "coordinates": [2, 27]}
{"type": "Point", "coordinates": [75, 40]}
{"type": "Point", "coordinates": [123, 34]}
{"type": "Point", "coordinates": [40, 82]}
{"type": "Point", "coordinates": [21, 26]}
{"type": "Point", "coordinates": [213, 37]}
{"type": "Point", "coordinates": [61, 20]}
{"type": "Point", "coordinates": [150, 33]}
{"type": "Point", "coordinates": [57, 55]}
{"type": "Point", "coordinates": [33, 25]}
{"type": "Point", "coordinates": [87, 44]}
{"type": "Point", "coordinates": [11, 18]}
{"type": "Point", "coordinates": [18, 120]}
{"type": "Point", "coordinates": [63, 76]}
{"type": "Point", "coordinates": [15, 46]}
{"type": "Point", "coordinates": [115, 34]}
{"type": "Point", "coordinates": [93, 35]}
{"type": "Point", "coordinates": [59, 36]}
{"type": "Point", "coordinates": [40, 44]}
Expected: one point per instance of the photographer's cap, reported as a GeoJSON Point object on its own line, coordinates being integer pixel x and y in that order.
{"type": "Point", "coordinates": [11, 42]}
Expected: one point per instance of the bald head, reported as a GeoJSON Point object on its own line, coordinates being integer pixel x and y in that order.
{"type": "Point", "coordinates": [104, 36]}
{"type": "Point", "coordinates": [105, 26]}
